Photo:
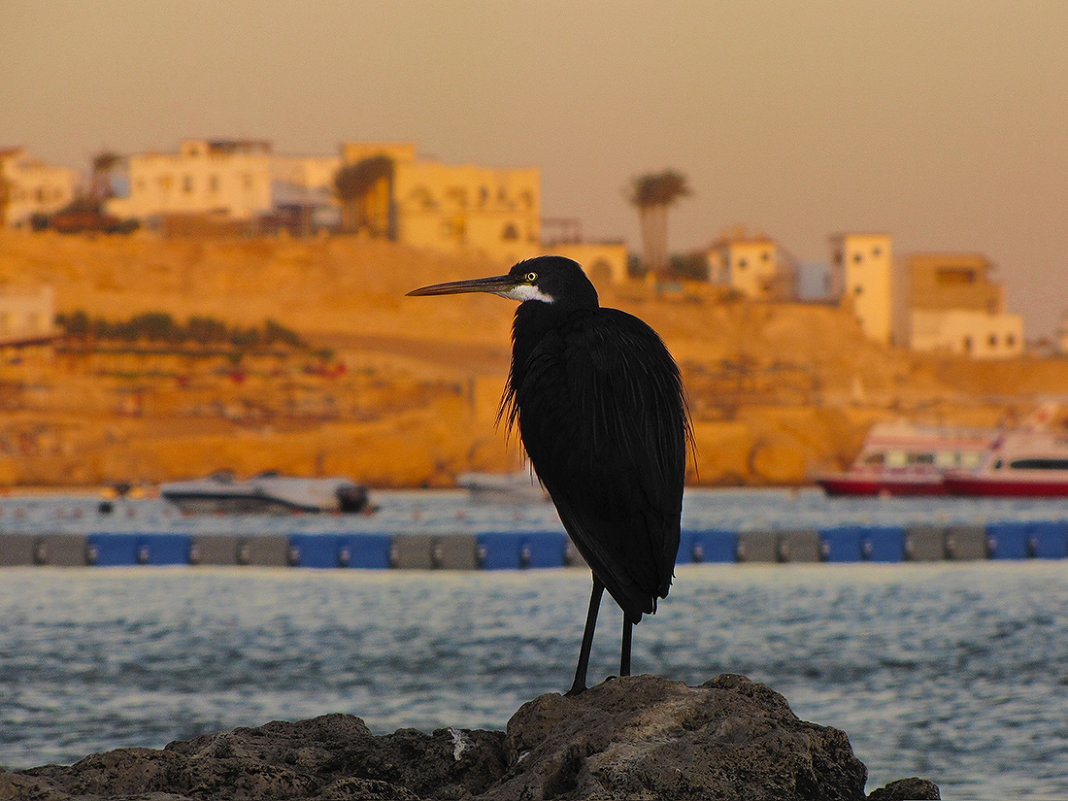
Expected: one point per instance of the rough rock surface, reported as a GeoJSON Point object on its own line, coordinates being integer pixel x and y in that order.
{"type": "Point", "coordinates": [635, 738]}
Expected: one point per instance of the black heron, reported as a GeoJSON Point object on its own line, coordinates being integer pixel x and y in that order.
{"type": "Point", "coordinates": [599, 404]}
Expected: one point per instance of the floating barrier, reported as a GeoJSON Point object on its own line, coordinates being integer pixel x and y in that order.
{"type": "Point", "coordinates": [799, 546]}
{"type": "Point", "coordinates": [884, 544]}
{"type": "Point", "coordinates": [925, 543]}
{"type": "Point", "coordinates": [757, 546]}
{"type": "Point", "coordinates": [843, 544]}
{"type": "Point", "coordinates": [967, 543]}
{"type": "Point", "coordinates": [17, 550]}
{"type": "Point", "coordinates": [61, 550]}
{"type": "Point", "coordinates": [523, 550]}
{"type": "Point", "coordinates": [1048, 540]}
{"type": "Point", "coordinates": [708, 545]}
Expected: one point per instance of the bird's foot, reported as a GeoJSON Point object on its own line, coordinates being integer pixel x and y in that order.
{"type": "Point", "coordinates": [576, 689]}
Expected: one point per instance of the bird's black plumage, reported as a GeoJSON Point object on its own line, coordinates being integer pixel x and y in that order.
{"type": "Point", "coordinates": [599, 406]}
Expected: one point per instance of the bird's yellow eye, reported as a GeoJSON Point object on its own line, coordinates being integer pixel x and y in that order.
{"type": "Point", "coordinates": [531, 277]}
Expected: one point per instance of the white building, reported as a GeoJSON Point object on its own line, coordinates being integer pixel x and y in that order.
{"type": "Point", "coordinates": [27, 314]}
{"type": "Point", "coordinates": [306, 180]}
{"type": "Point", "coordinates": [953, 306]}
{"type": "Point", "coordinates": [29, 187]}
{"type": "Point", "coordinates": [861, 279]}
{"type": "Point", "coordinates": [965, 332]}
{"type": "Point", "coordinates": [749, 265]}
{"type": "Point", "coordinates": [229, 178]}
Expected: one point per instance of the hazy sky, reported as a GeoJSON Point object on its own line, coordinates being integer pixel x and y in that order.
{"type": "Point", "coordinates": [942, 122]}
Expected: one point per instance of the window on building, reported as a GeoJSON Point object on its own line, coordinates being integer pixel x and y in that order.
{"type": "Point", "coordinates": [858, 257]}
{"type": "Point", "coordinates": [187, 184]}
{"type": "Point", "coordinates": [1010, 340]}
{"type": "Point", "coordinates": [765, 256]}
{"type": "Point", "coordinates": [458, 195]}
{"type": "Point", "coordinates": [955, 276]}
{"type": "Point", "coordinates": [876, 251]}
{"type": "Point", "coordinates": [992, 340]}
{"type": "Point", "coordinates": [742, 264]}
{"type": "Point", "coordinates": [858, 289]}
{"type": "Point", "coordinates": [213, 184]}
{"type": "Point", "coordinates": [510, 232]}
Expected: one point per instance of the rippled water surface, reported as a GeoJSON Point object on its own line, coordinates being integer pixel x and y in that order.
{"type": "Point", "coordinates": [957, 672]}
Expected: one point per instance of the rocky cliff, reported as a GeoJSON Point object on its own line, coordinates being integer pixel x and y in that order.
{"type": "Point", "coordinates": [408, 392]}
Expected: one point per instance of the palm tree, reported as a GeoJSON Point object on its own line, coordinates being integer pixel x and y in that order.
{"type": "Point", "coordinates": [653, 194]}
{"type": "Point", "coordinates": [103, 165]}
{"type": "Point", "coordinates": [365, 194]}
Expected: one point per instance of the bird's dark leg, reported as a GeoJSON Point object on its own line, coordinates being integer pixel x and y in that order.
{"type": "Point", "coordinates": [624, 653]}
{"type": "Point", "coordinates": [587, 638]}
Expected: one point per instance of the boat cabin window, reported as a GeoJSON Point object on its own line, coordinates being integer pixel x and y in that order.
{"type": "Point", "coordinates": [971, 459]}
{"type": "Point", "coordinates": [896, 459]}
{"type": "Point", "coordinates": [947, 459]}
{"type": "Point", "coordinates": [924, 458]}
{"type": "Point", "coordinates": [875, 458]}
{"type": "Point", "coordinates": [1040, 464]}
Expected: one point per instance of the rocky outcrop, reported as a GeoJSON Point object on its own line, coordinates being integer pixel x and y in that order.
{"type": "Point", "coordinates": [634, 738]}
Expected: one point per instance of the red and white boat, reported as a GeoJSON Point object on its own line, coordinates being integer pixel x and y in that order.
{"type": "Point", "coordinates": [1026, 464]}
{"type": "Point", "coordinates": [902, 458]}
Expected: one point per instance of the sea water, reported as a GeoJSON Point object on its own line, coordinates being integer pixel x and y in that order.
{"type": "Point", "coordinates": [956, 672]}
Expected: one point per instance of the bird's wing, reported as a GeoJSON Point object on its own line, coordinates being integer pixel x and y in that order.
{"type": "Point", "coordinates": [603, 419]}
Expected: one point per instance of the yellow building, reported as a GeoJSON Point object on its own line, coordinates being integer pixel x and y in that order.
{"type": "Point", "coordinates": [228, 178]}
{"type": "Point", "coordinates": [29, 187]}
{"type": "Point", "coordinates": [861, 279]}
{"type": "Point", "coordinates": [953, 306]}
{"type": "Point", "coordinates": [493, 212]}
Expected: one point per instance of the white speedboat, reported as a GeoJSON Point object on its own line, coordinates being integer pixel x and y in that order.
{"type": "Point", "coordinates": [1024, 464]}
{"type": "Point", "coordinates": [267, 492]}
{"type": "Point", "coordinates": [519, 487]}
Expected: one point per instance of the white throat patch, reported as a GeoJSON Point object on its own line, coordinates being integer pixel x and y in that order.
{"type": "Point", "coordinates": [525, 292]}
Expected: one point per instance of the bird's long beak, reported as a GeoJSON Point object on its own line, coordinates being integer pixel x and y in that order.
{"type": "Point", "coordinates": [498, 284]}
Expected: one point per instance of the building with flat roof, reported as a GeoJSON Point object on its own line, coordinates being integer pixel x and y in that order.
{"type": "Point", "coordinates": [223, 177]}
{"type": "Point", "coordinates": [29, 187]}
{"type": "Point", "coordinates": [423, 203]}
{"type": "Point", "coordinates": [754, 266]}
{"type": "Point", "coordinates": [862, 280]}
{"type": "Point", "coordinates": [953, 305]}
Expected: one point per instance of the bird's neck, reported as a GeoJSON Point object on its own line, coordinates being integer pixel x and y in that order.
{"type": "Point", "coordinates": [534, 319]}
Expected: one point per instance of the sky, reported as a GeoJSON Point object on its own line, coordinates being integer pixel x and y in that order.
{"type": "Point", "coordinates": [941, 122]}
